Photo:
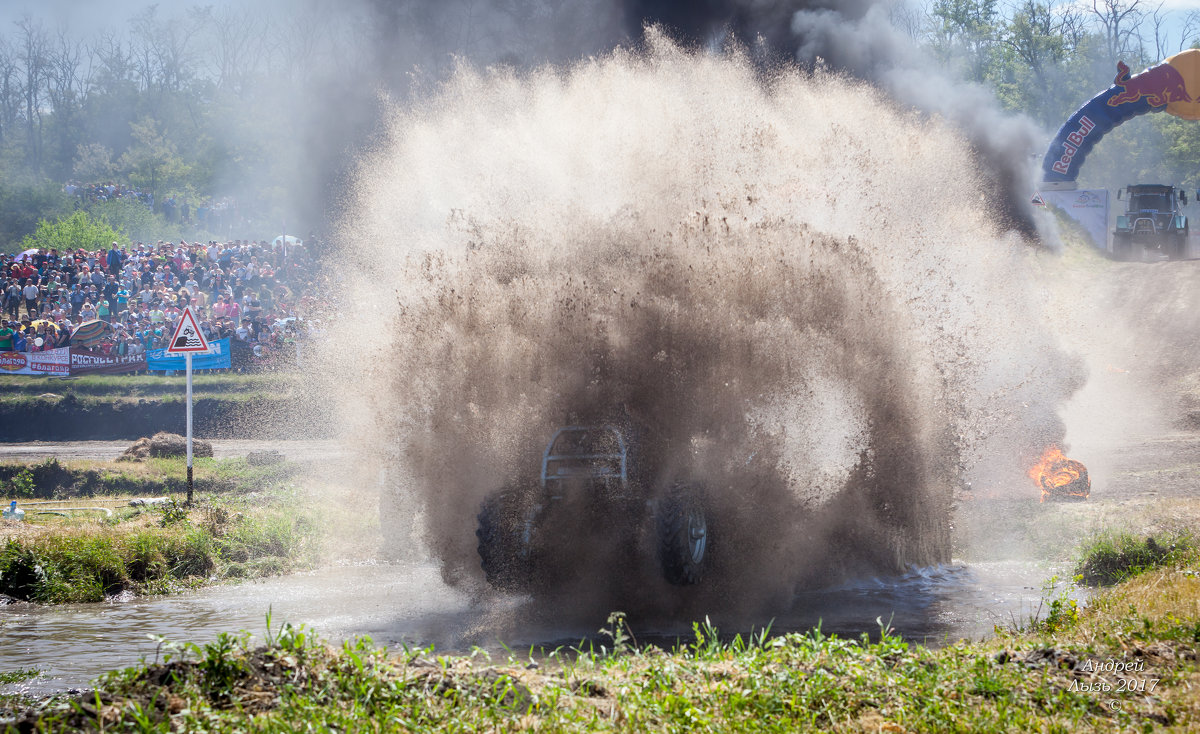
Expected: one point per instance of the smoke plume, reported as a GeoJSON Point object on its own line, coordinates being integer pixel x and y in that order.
{"type": "Point", "coordinates": [860, 39]}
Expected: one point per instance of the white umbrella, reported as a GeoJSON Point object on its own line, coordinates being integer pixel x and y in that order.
{"type": "Point", "coordinates": [291, 240]}
{"type": "Point", "coordinates": [27, 253]}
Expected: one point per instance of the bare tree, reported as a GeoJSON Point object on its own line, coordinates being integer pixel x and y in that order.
{"type": "Point", "coordinates": [1072, 26]}
{"type": "Point", "coordinates": [1189, 34]}
{"type": "Point", "coordinates": [64, 91]}
{"type": "Point", "coordinates": [10, 88]}
{"type": "Point", "coordinates": [913, 21]}
{"type": "Point", "coordinates": [32, 56]}
{"type": "Point", "coordinates": [1159, 18]}
{"type": "Point", "coordinates": [164, 48]}
{"type": "Point", "coordinates": [1120, 21]}
{"type": "Point", "coordinates": [238, 54]}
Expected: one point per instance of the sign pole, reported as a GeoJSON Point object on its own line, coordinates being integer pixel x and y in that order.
{"type": "Point", "coordinates": [187, 340]}
{"type": "Point", "coordinates": [188, 358]}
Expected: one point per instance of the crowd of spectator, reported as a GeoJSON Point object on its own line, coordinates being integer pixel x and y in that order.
{"type": "Point", "coordinates": [106, 191]}
{"type": "Point", "coordinates": [209, 214]}
{"type": "Point", "coordinates": [261, 295]}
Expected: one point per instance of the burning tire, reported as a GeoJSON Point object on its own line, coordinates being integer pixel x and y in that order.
{"type": "Point", "coordinates": [683, 537]}
{"type": "Point", "coordinates": [1061, 479]}
{"type": "Point", "coordinates": [504, 542]}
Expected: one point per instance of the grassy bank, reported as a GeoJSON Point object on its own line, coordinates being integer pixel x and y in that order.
{"type": "Point", "coordinates": [95, 389]}
{"type": "Point", "coordinates": [1127, 662]}
{"type": "Point", "coordinates": [250, 521]}
{"type": "Point", "coordinates": [104, 407]}
{"type": "Point", "coordinates": [126, 387]}
{"type": "Point", "coordinates": [154, 476]}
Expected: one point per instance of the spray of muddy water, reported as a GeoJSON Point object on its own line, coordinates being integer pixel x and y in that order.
{"type": "Point", "coordinates": [790, 282]}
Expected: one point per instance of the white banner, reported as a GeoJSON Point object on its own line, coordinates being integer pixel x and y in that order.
{"type": "Point", "coordinates": [1089, 207]}
{"type": "Point", "coordinates": [50, 362]}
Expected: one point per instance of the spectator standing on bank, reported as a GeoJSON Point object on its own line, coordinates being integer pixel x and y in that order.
{"type": "Point", "coordinates": [113, 258]}
{"type": "Point", "coordinates": [31, 293]}
{"type": "Point", "coordinates": [77, 298]}
{"type": "Point", "coordinates": [12, 299]}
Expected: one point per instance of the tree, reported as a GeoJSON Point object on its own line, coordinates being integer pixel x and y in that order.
{"type": "Point", "coordinates": [152, 161]}
{"type": "Point", "coordinates": [93, 162]}
{"type": "Point", "coordinates": [69, 233]}
{"type": "Point", "coordinates": [967, 28]}
{"type": "Point", "coordinates": [1120, 21]}
{"type": "Point", "coordinates": [133, 220]}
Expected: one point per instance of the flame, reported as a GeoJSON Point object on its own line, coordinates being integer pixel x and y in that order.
{"type": "Point", "coordinates": [1060, 477]}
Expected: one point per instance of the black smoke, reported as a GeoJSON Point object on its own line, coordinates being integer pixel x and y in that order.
{"type": "Point", "coordinates": [857, 38]}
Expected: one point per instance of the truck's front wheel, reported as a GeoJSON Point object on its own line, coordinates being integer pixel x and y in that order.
{"type": "Point", "coordinates": [504, 543]}
{"type": "Point", "coordinates": [683, 536]}
{"type": "Point", "coordinates": [1122, 247]}
{"type": "Point", "coordinates": [1177, 247]}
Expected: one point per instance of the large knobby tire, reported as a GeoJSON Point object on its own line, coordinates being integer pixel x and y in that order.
{"type": "Point", "coordinates": [684, 542]}
{"type": "Point", "coordinates": [504, 549]}
{"type": "Point", "coordinates": [1177, 246]}
{"type": "Point", "coordinates": [1122, 247]}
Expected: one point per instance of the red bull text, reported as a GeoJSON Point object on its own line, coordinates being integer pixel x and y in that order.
{"type": "Point", "coordinates": [1072, 143]}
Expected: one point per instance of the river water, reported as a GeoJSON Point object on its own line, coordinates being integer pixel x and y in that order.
{"type": "Point", "coordinates": [400, 605]}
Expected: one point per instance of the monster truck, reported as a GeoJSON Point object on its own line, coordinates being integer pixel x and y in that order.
{"type": "Point", "coordinates": [591, 495]}
{"type": "Point", "coordinates": [1152, 221]}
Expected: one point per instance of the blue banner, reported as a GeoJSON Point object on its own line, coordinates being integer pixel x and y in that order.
{"type": "Point", "coordinates": [216, 359]}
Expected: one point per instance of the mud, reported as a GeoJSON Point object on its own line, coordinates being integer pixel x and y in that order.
{"type": "Point", "coordinates": [789, 284]}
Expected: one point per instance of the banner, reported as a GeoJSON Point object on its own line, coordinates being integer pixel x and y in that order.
{"type": "Point", "coordinates": [216, 359]}
{"type": "Point", "coordinates": [1088, 207]}
{"type": "Point", "coordinates": [55, 362]}
{"type": "Point", "coordinates": [87, 362]}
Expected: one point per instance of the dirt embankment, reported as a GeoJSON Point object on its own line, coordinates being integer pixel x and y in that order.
{"type": "Point", "coordinates": [67, 418]}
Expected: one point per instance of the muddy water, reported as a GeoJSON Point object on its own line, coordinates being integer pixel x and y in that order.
{"type": "Point", "coordinates": [409, 605]}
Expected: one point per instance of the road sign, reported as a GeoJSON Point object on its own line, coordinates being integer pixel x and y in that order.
{"type": "Point", "coordinates": [187, 339]}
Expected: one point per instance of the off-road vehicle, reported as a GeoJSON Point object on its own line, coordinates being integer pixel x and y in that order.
{"type": "Point", "coordinates": [592, 494]}
{"type": "Point", "coordinates": [1153, 220]}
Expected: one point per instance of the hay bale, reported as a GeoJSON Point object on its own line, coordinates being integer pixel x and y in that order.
{"type": "Point", "coordinates": [137, 452]}
{"type": "Point", "coordinates": [165, 444]}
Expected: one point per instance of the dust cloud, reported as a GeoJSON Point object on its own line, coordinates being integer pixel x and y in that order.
{"type": "Point", "coordinates": [792, 284]}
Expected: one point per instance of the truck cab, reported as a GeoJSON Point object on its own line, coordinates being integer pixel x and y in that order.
{"type": "Point", "coordinates": [1153, 220]}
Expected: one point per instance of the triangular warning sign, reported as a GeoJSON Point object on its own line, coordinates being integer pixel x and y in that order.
{"type": "Point", "coordinates": [1037, 199]}
{"type": "Point", "coordinates": [187, 337]}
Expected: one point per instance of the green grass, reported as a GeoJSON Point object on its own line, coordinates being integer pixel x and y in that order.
{"type": "Point", "coordinates": [250, 521]}
{"type": "Point", "coordinates": [1110, 557]}
{"type": "Point", "coordinates": [1055, 675]}
{"type": "Point", "coordinates": [154, 476]}
{"type": "Point", "coordinates": [18, 676]}
{"type": "Point", "coordinates": [1029, 681]}
{"type": "Point", "coordinates": [150, 384]}
{"type": "Point", "coordinates": [50, 392]}
{"type": "Point", "coordinates": [217, 540]}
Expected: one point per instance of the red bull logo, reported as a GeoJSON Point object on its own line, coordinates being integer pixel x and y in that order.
{"type": "Point", "coordinates": [1159, 86]}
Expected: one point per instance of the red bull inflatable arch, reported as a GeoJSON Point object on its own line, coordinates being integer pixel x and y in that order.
{"type": "Point", "coordinates": [1172, 86]}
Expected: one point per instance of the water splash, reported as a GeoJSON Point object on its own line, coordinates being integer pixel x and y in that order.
{"type": "Point", "coordinates": [790, 281]}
